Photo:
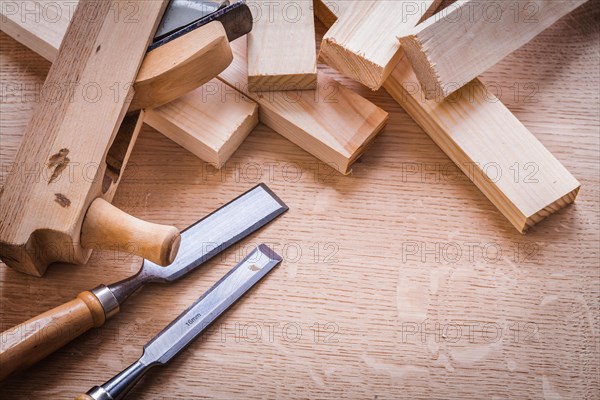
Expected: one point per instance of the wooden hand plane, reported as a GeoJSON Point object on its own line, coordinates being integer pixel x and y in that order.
{"type": "Point", "coordinates": [55, 204]}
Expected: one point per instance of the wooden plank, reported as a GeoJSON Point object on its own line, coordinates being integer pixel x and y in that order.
{"type": "Point", "coordinates": [41, 27]}
{"type": "Point", "coordinates": [211, 122]}
{"type": "Point", "coordinates": [364, 45]}
{"type": "Point", "coordinates": [449, 51]}
{"type": "Point", "coordinates": [44, 203]}
{"type": "Point", "coordinates": [282, 51]}
{"type": "Point", "coordinates": [492, 147]}
{"type": "Point", "coordinates": [487, 142]}
{"type": "Point", "coordinates": [36, 24]}
{"type": "Point", "coordinates": [332, 123]}
{"type": "Point", "coordinates": [323, 12]}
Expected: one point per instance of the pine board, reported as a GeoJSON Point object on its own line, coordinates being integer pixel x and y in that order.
{"type": "Point", "coordinates": [366, 284]}
{"type": "Point", "coordinates": [449, 51]}
{"type": "Point", "coordinates": [281, 46]}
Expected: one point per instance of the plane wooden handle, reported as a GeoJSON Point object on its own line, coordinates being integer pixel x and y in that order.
{"type": "Point", "coordinates": [182, 65]}
{"type": "Point", "coordinates": [107, 227]}
{"type": "Point", "coordinates": [33, 340]}
{"type": "Point", "coordinates": [83, 397]}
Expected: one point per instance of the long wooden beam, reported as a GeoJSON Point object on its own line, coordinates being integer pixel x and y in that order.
{"type": "Point", "coordinates": [332, 122]}
{"type": "Point", "coordinates": [282, 51]}
{"type": "Point", "coordinates": [487, 142]}
{"type": "Point", "coordinates": [449, 51]}
{"type": "Point", "coordinates": [364, 44]}
{"type": "Point", "coordinates": [188, 121]}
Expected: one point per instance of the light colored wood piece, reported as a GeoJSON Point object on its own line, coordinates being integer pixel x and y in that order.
{"type": "Point", "coordinates": [42, 29]}
{"type": "Point", "coordinates": [448, 51]}
{"type": "Point", "coordinates": [43, 204]}
{"type": "Point", "coordinates": [364, 45]}
{"type": "Point", "coordinates": [107, 227]}
{"type": "Point", "coordinates": [180, 66]}
{"type": "Point", "coordinates": [332, 123]}
{"type": "Point", "coordinates": [83, 397]}
{"type": "Point", "coordinates": [35, 339]}
{"type": "Point", "coordinates": [335, 322]}
{"type": "Point", "coordinates": [488, 143]}
{"type": "Point", "coordinates": [166, 73]}
{"type": "Point", "coordinates": [282, 51]}
{"type": "Point", "coordinates": [323, 12]}
{"type": "Point", "coordinates": [492, 147]}
{"type": "Point", "coordinates": [211, 121]}
{"type": "Point", "coordinates": [38, 25]}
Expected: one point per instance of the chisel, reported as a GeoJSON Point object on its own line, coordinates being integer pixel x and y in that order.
{"type": "Point", "coordinates": [29, 342]}
{"type": "Point", "coordinates": [193, 321]}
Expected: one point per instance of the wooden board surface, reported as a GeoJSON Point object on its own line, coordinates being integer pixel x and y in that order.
{"type": "Point", "coordinates": [281, 46]}
{"type": "Point", "coordinates": [331, 122]}
{"type": "Point", "coordinates": [41, 27]}
{"type": "Point", "coordinates": [211, 121]}
{"type": "Point", "coordinates": [486, 141]}
{"type": "Point", "coordinates": [355, 258]}
{"type": "Point", "coordinates": [364, 45]}
{"type": "Point", "coordinates": [448, 51]}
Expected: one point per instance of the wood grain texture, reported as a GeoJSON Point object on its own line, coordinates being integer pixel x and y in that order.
{"type": "Point", "coordinates": [490, 146]}
{"type": "Point", "coordinates": [41, 27]}
{"type": "Point", "coordinates": [375, 282]}
{"type": "Point", "coordinates": [29, 342]}
{"type": "Point", "coordinates": [167, 72]}
{"type": "Point", "coordinates": [38, 25]}
{"type": "Point", "coordinates": [211, 121]}
{"type": "Point", "coordinates": [323, 12]}
{"type": "Point", "coordinates": [364, 45]}
{"type": "Point", "coordinates": [281, 46]}
{"type": "Point", "coordinates": [332, 122]}
{"type": "Point", "coordinates": [450, 50]}
{"type": "Point", "coordinates": [43, 206]}
{"type": "Point", "coordinates": [486, 142]}
{"type": "Point", "coordinates": [107, 227]}
{"type": "Point", "coordinates": [180, 66]}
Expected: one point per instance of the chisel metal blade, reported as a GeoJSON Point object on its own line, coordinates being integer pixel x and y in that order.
{"type": "Point", "coordinates": [25, 344]}
{"type": "Point", "coordinates": [207, 308]}
{"type": "Point", "coordinates": [192, 322]}
{"type": "Point", "coordinates": [208, 237]}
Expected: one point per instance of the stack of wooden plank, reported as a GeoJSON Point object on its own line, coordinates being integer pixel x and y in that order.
{"type": "Point", "coordinates": [448, 51]}
{"type": "Point", "coordinates": [333, 123]}
{"type": "Point", "coordinates": [427, 61]}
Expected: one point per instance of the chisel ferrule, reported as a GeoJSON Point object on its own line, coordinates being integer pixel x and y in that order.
{"type": "Point", "coordinates": [118, 387]}
{"type": "Point", "coordinates": [107, 299]}
{"type": "Point", "coordinates": [98, 393]}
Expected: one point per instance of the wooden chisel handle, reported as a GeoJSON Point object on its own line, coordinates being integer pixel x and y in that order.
{"type": "Point", "coordinates": [33, 340]}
